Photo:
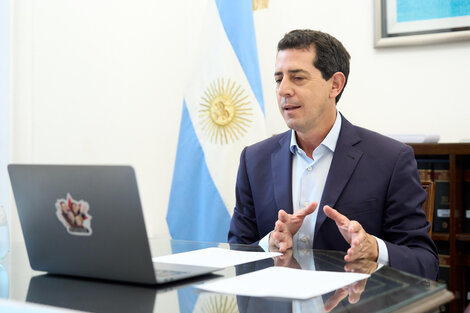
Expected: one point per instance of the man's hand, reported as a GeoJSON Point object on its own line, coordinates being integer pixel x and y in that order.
{"type": "Point", "coordinates": [363, 245]}
{"type": "Point", "coordinates": [354, 290]}
{"type": "Point", "coordinates": [287, 226]}
{"type": "Point", "coordinates": [287, 260]}
{"type": "Point", "coordinates": [361, 266]}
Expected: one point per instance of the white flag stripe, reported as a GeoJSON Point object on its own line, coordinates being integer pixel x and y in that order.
{"type": "Point", "coordinates": [214, 59]}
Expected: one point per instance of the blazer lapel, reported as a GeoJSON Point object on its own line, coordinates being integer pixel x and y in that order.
{"type": "Point", "coordinates": [345, 159]}
{"type": "Point", "coordinates": [281, 166]}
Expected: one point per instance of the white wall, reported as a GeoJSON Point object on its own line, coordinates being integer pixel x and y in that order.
{"type": "Point", "coordinates": [4, 101]}
{"type": "Point", "coordinates": [395, 90]}
{"type": "Point", "coordinates": [101, 81]}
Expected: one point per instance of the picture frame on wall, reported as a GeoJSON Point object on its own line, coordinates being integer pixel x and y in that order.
{"type": "Point", "coordinates": [419, 22]}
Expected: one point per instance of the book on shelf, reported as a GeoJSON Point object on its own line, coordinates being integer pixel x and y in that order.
{"type": "Point", "coordinates": [437, 170]}
{"type": "Point", "coordinates": [443, 251]}
{"type": "Point", "coordinates": [466, 198]}
{"type": "Point", "coordinates": [467, 286]}
{"type": "Point", "coordinates": [424, 169]}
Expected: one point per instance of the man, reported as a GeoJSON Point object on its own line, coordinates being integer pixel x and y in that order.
{"type": "Point", "coordinates": [326, 183]}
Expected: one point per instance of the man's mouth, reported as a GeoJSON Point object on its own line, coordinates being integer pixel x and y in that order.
{"type": "Point", "coordinates": [290, 107]}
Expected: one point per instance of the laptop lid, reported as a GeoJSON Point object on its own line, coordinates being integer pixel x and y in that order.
{"type": "Point", "coordinates": [85, 220]}
{"type": "Point", "coordinates": [91, 295]}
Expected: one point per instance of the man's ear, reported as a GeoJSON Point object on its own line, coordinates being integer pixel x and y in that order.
{"type": "Point", "coordinates": [338, 80]}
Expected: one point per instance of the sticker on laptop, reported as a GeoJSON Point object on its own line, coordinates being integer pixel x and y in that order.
{"type": "Point", "coordinates": [73, 214]}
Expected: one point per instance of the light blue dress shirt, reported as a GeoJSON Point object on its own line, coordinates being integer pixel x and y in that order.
{"type": "Point", "coordinates": [308, 181]}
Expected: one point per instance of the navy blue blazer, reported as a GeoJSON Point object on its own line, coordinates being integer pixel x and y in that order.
{"type": "Point", "coordinates": [373, 179]}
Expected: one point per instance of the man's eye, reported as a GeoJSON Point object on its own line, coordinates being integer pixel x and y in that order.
{"type": "Point", "coordinates": [278, 80]}
{"type": "Point", "coordinates": [298, 78]}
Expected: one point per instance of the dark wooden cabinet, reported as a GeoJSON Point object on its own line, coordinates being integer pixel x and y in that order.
{"type": "Point", "coordinates": [458, 258]}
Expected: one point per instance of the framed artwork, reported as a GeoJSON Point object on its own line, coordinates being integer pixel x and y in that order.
{"type": "Point", "coordinates": [417, 22]}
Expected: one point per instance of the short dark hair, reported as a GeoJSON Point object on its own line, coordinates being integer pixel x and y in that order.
{"type": "Point", "coordinates": [331, 56]}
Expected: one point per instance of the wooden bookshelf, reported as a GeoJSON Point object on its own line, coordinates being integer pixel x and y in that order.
{"type": "Point", "coordinates": [459, 254]}
{"type": "Point", "coordinates": [462, 237]}
{"type": "Point", "coordinates": [440, 236]}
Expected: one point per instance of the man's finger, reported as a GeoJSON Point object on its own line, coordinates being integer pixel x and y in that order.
{"type": "Point", "coordinates": [280, 227]}
{"type": "Point", "coordinates": [360, 286]}
{"type": "Point", "coordinates": [285, 242]}
{"type": "Point", "coordinates": [309, 209]}
{"type": "Point", "coordinates": [356, 290]}
{"type": "Point", "coordinates": [283, 246]}
{"type": "Point", "coordinates": [340, 219]}
{"type": "Point", "coordinates": [356, 240]}
{"type": "Point", "coordinates": [332, 302]}
{"type": "Point", "coordinates": [354, 227]}
{"type": "Point", "coordinates": [283, 216]}
{"type": "Point", "coordinates": [279, 236]}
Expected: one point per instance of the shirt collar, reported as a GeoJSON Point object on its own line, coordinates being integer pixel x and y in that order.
{"type": "Point", "coordinates": [330, 140]}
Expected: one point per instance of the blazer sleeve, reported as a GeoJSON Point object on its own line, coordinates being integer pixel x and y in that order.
{"type": "Point", "coordinates": [405, 229]}
{"type": "Point", "coordinates": [243, 226]}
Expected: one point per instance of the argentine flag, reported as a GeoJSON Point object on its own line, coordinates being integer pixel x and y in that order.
{"type": "Point", "coordinates": [222, 113]}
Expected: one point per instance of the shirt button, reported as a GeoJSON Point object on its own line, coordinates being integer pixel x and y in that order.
{"type": "Point", "coordinates": [305, 203]}
{"type": "Point", "coordinates": [309, 168]}
{"type": "Point", "coordinates": [304, 239]}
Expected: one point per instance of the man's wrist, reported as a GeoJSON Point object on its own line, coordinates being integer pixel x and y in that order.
{"type": "Point", "coordinates": [383, 257]}
{"type": "Point", "coordinates": [375, 252]}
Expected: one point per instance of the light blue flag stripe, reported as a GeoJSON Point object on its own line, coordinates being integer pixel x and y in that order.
{"type": "Point", "coordinates": [196, 210]}
{"type": "Point", "coordinates": [187, 296]}
{"type": "Point", "coordinates": [237, 18]}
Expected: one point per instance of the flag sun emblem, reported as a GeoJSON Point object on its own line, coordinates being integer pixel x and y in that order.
{"type": "Point", "coordinates": [225, 111]}
{"type": "Point", "coordinates": [216, 304]}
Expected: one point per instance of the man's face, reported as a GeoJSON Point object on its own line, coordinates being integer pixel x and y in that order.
{"type": "Point", "coordinates": [303, 96]}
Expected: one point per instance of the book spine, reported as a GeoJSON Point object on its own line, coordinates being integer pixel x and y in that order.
{"type": "Point", "coordinates": [467, 287]}
{"type": "Point", "coordinates": [424, 169]}
{"type": "Point", "coordinates": [440, 175]}
{"type": "Point", "coordinates": [466, 199]}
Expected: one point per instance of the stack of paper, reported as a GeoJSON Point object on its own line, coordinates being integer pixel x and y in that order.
{"type": "Point", "coordinates": [9, 306]}
{"type": "Point", "coordinates": [273, 282]}
{"type": "Point", "coordinates": [214, 257]}
{"type": "Point", "coordinates": [283, 282]}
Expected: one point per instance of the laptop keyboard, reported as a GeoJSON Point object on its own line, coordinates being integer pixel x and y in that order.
{"type": "Point", "coordinates": [163, 274]}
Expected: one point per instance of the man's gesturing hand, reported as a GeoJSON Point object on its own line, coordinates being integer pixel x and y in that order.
{"type": "Point", "coordinates": [363, 245]}
{"type": "Point", "coordinates": [287, 226]}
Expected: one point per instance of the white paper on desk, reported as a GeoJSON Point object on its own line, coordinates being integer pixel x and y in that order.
{"type": "Point", "coordinates": [214, 257]}
{"type": "Point", "coordinates": [283, 282]}
{"type": "Point", "coordinates": [10, 306]}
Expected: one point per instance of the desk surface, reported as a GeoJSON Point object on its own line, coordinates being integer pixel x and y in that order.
{"type": "Point", "coordinates": [387, 290]}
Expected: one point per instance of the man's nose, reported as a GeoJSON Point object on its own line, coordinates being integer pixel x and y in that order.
{"type": "Point", "coordinates": [285, 88]}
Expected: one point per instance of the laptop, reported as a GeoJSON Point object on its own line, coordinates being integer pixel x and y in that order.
{"type": "Point", "coordinates": [87, 220]}
{"type": "Point", "coordinates": [91, 295]}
